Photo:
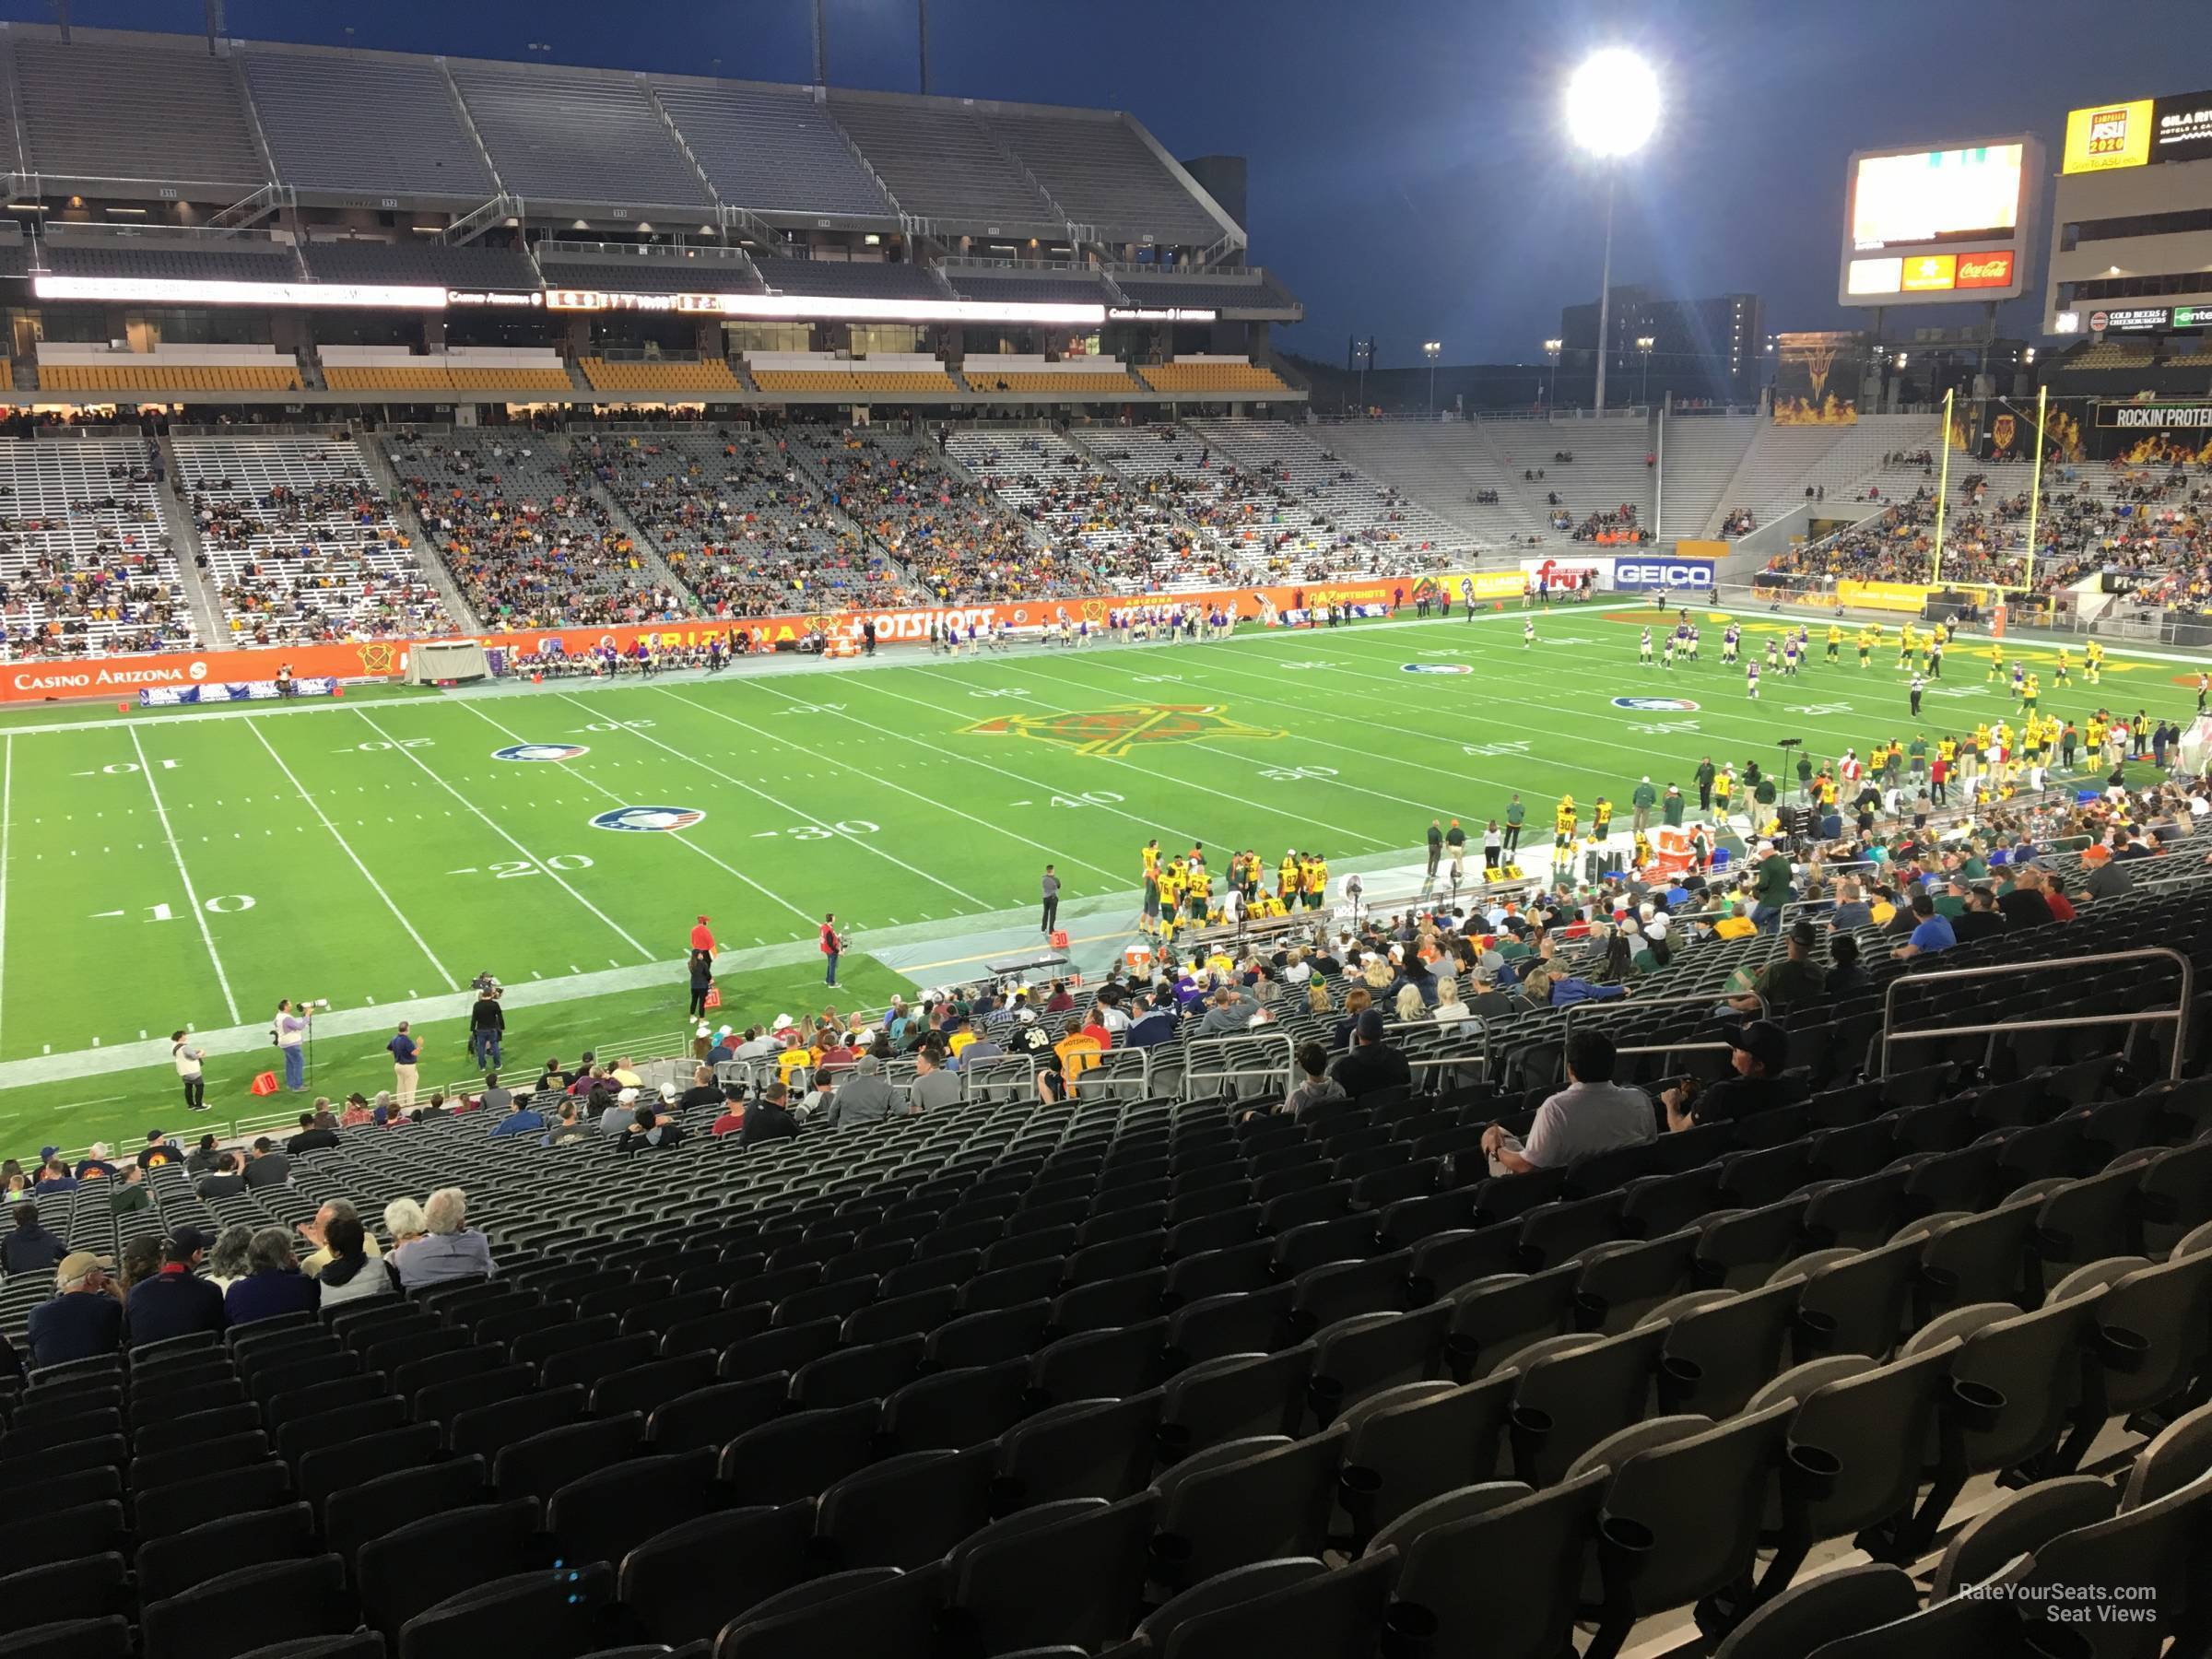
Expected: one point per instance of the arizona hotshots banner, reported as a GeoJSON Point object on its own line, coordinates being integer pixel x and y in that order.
{"type": "Point", "coordinates": [53, 679]}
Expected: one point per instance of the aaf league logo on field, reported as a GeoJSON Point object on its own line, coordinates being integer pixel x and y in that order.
{"type": "Point", "coordinates": [649, 818]}
{"type": "Point", "coordinates": [1657, 705]}
{"type": "Point", "coordinates": [541, 751]}
{"type": "Point", "coordinates": [1434, 668]}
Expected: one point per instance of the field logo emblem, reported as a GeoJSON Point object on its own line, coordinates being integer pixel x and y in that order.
{"type": "Point", "coordinates": [648, 818]}
{"type": "Point", "coordinates": [541, 751]}
{"type": "Point", "coordinates": [1434, 668]}
{"type": "Point", "coordinates": [1117, 731]}
{"type": "Point", "coordinates": [1657, 705]}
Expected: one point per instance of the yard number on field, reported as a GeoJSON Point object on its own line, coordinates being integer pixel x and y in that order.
{"type": "Point", "coordinates": [1292, 774]}
{"type": "Point", "coordinates": [121, 769]}
{"type": "Point", "coordinates": [823, 832]}
{"type": "Point", "coordinates": [612, 725]}
{"type": "Point", "coordinates": [1090, 797]}
{"type": "Point", "coordinates": [375, 744]}
{"type": "Point", "coordinates": [508, 868]}
{"type": "Point", "coordinates": [222, 904]}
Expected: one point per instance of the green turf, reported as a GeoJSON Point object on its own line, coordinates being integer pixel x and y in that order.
{"type": "Point", "coordinates": [387, 856]}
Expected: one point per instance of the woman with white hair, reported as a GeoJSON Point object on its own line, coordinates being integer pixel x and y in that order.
{"type": "Point", "coordinates": [449, 1248]}
{"type": "Point", "coordinates": [402, 1226]}
{"type": "Point", "coordinates": [1450, 1012]}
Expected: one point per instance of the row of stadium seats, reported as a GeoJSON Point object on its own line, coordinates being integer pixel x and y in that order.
{"type": "Point", "coordinates": [155, 377]}
{"type": "Point", "coordinates": [87, 563]}
{"type": "Point", "coordinates": [706, 377]}
{"type": "Point", "coordinates": [1206, 1348]}
{"type": "Point", "coordinates": [155, 107]}
{"type": "Point", "coordinates": [527, 537]}
{"type": "Point", "coordinates": [742, 529]}
{"type": "Point", "coordinates": [299, 542]}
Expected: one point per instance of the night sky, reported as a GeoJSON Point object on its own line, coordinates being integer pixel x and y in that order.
{"type": "Point", "coordinates": [1408, 171]}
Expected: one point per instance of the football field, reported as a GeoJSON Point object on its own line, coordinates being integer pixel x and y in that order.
{"type": "Point", "coordinates": [190, 867]}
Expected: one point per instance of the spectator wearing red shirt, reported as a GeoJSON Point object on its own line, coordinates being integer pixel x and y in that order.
{"type": "Point", "coordinates": [702, 937]}
{"type": "Point", "coordinates": [731, 1121]}
{"type": "Point", "coordinates": [1094, 1026]}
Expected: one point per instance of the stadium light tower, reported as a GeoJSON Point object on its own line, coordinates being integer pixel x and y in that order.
{"type": "Point", "coordinates": [1552, 349]}
{"type": "Point", "coordinates": [1612, 108]}
{"type": "Point", "coordinates": [1644, 344]}
{"type": "Point", "coordinates": [1432, 349]}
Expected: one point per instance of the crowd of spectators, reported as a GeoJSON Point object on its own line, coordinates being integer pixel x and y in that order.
{"type": "Point", "coordinates": [296, 564]}
{"type": "Point", "coordinates": [1142, 533]}
{"type": "Point", "coordinates": [951, 533]}
{"type": "Point", "coordinates": [740, 525]}
{"type": "Point", "coordinates": [530, 540]}
{"type": "Point", "coordinates": [60, 597]}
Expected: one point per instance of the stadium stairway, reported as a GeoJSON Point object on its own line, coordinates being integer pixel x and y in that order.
{"type": "Point", "coordinates": [1698, 459]}
{"type": "Point", "coordinates": [1778, 457]}
{"type": "Point", "coordinates": [207, 609]}
{"type": "Point", "coordinates": [1441, 464]}
{"type": "Point", "coordinates": [656, 562]}
{"type": "Point", "coordinates": [1606, 471]}
{"type": "Point", "coordinates": [402, 509]}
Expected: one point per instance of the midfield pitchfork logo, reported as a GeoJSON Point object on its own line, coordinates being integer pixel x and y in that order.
{"type": "Point", "coordinates": [1110, 732]}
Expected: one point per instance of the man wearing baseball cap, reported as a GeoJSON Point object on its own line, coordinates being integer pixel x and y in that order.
{"type": "Point", "coordinates": [85, 1318]}
{"type": "Point", "coordinates": [1758, 1050]}
{"type": "Point", "coordinates": [175, 1301]}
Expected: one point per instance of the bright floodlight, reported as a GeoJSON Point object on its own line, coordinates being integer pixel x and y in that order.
{"type": "Point", "coordinates": [1612, 103]}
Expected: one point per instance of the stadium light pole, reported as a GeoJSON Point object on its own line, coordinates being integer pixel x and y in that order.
{"type": "Point", "coordinates": [1432, 349]}
{"type": "Point", "coordinates": [1552, 349]}
{"type": "Point", "coordinates": [1612, 108]}
{"type": "Point", "coordinates": [1644, 344]}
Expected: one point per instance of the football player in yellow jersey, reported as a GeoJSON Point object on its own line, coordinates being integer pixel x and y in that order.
{"type": "Point", "coordinates": [2031, 689]}
{"type": "Point", "coordinates": [1287, 884]}
{"type": "Point", "coordinates": [2093, 734]}
{"type": "Point", "coordinates": [1563, 824]}
{"type": "Point", "coordinates": [1948, 747]}
{"type": "Point", "coordinates": [2092, 662]}
{"type": "Point", "coordinates": [1317, 882]}
{"type": "Point", "coordinates": [1996, 663]}
{"type": "Point", "coordinates": [1170, 891]}
{"type": "Point", "coordinates": [1201, 891]}
{"type": "Point", "coordinates": [1835, 641]}
{"type": "Point", "coordinates": [2065, 676]}
{"type": "Point", "coordinates": [1904, 644]}
{"type": "Point", "coordinates": [1867, 637]}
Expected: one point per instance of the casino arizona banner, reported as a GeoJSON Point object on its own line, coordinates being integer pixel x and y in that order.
{"type": "Point", "coordinates": [56, 679]}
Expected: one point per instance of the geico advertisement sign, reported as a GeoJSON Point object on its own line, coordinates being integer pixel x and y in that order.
{"type": "Point", "coordinates": [1666, 573]}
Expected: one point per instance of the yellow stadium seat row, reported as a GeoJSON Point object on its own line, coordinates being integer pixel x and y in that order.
{"type": "Point", "coordinates": [810, 380]}
{"type": "Point", "coordinates": [709, 375]}
{"type": "Point", "coordinates": [1210, 377]}
{"type": "Point", "coordinates": [391, 377]}
{"type": "Point", "coordinates": [982, 379]}
{"type": "Point", "coordinates": [160, 377]}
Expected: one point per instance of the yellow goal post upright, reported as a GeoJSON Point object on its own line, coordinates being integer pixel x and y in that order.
{"type": "Point", "coordinates": [2035, 487]}
{"type": "Point", "coordinates": [1943, 488]}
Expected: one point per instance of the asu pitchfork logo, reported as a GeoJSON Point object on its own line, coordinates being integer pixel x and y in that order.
{"type": "Point", "coordinates": [1117, 731]}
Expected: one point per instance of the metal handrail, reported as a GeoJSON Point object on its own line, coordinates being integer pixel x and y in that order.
{"type": "Point", "coordinates": [1703, 1000]}
{"type": "Point", "coordinates": [1202, 1048]}
{"type": "Point", "coordinates": [981, 1076]}
{"type": "Point", "coordinates": [2178, 1014]}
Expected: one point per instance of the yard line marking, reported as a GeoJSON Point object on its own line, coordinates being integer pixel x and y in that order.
{"type": "Point", "coordinates": [493, 825]}
{"type": "Point", "coordinates": [911, 793]}
{"type": "Point", "coordinates": [146, 771]}
{"type": "Point", "coordinates": [679, 840]}
{"type": "Point", "coordinates": [346, 847]}
{"type": "Point", "coordinates": [819, 823]}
